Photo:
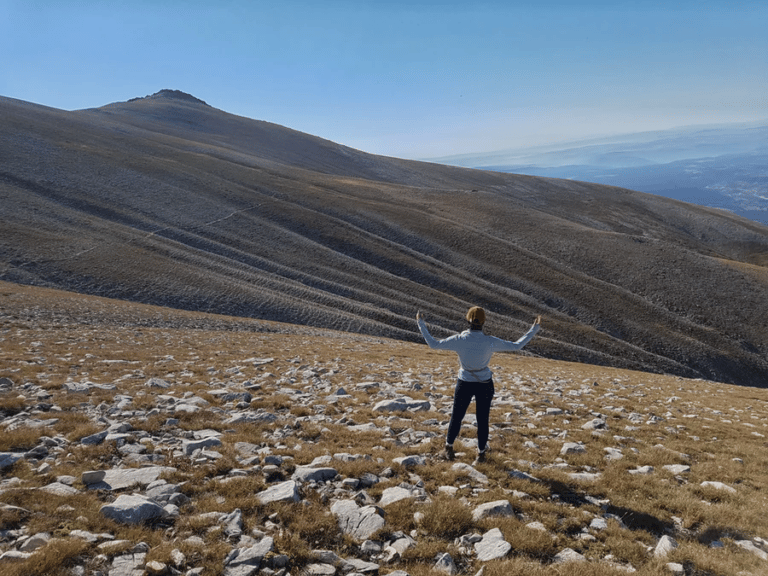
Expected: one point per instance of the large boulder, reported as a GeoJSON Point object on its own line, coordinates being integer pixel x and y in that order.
{"type": "Point", "coordinates": [287, 491]}
{"type": "Point", "coordinates": [359, 523]}
{"type": "Point", "coordinates": [133, 509]}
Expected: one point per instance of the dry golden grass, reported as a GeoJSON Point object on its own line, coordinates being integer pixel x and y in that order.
{"type": "Point", "coordinates": [702, 424]}
{"type": "Point", "coordinates": [19, 439]}
{"type": "Point", "coordinates": [55, 559]}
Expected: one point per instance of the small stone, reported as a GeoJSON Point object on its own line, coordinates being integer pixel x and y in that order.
{"type": "Point", "coordinates": [676, 469]}
{"type": "Point", "coordinates": [60, 489]}
{"type": "Point", "coordinates": [719, 486]}
{"type": "Point", "coordinates": [613, 454]}
{"type": "Point", "coordinates": [307, 474]}
{"type": "Point", "coordinates": [320, 570]}
{"type": "Point", "coordinates": [395, 494]}
{"type": "Point", "coordinates": [750, 546]}
{"type": "Point", "coordinates": [665, 545]}
{"type": "Point", "coordinates": [358, 522]}
{"type": "Point", "coordinates": [155, 568]}
{"type": "Point", "coordinates": [492, 546]}
{"type": "Point", "coordinates": [572, 448]}
{"type": "Point", "coordinates": [520, 475]}
{"type": "Point", "coordinates": [410, 461]}
{"type": "Point", "coordinates": [596, 424]}
{"type": "Point", "coordinates": [445, 564]}
{"type": "Point", "coordinates": [93, 476]}
{"type": "Point", "coordinates": [133, 510]}
{"type": "Point", "coordinates": [287, 491]}
{"type": "Point", "coordinates": [474, 474]}
{"type": "Point", "coordinates": [568, 555]}
{"type": "Point", "coordinates": [8, 459]}
{"type": "Point", "coordinates": [536, 526]}
{"type": "Point", "coordinates": [35, 542]}
{"type": "Point", "coordinates": [675, 568]}
{"type": "Point", "coordinates": [498, 508]}
{"type": "Point", "coordinates": [599, 524]}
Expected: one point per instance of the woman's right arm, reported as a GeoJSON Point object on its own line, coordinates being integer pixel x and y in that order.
{"type": "Point", "coordinates": [430, 340]}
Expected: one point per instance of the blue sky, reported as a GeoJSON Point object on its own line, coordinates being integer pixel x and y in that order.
{"type": "Point", "coordinates": [415, 78]}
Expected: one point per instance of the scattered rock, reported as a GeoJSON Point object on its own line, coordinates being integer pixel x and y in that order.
{"type": "Point", "coordinates": [572, 448]}
{"type": "Point", "coordinates": [665, 545]}
{"type": "Point", "coordinates": [122, 478]}
{"type": "Point", "coordinates": [8, 459]}
{"type": "Point", "coordinates": [445, 564]}
{"type": "Point", "coordinates": [359, 523]}
{"type": "Point", "coordinates": [719, 486]}
{"type": "Point", "coordinates": [750, 546]}
{"type": "Point", "coordinates": [470, 471]}
{"type": "Point", "coordinates": [497, 508]}
{"type": "Point", "coordinates": [492, 546]}
{"type": "Point", "coordinates": [133, 510]}
{"type": "Point", "coordinates": [246, 561]}
{"type": "Point", "coordinates": [410, 461]}
{"type": "Point", "coordinates": [308, 474]}
{"type": "Point", "coordinates": [287, 491]}
{"type": "Point", "coordinates": [677, 469]}
{"type": "Point", "coordinates": [568, 555]}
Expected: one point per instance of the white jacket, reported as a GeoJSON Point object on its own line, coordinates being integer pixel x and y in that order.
{"type": "Point", "coordinates": [475, 349]}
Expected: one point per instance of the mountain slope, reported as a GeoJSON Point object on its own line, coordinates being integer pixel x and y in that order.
{"type": "Point", "coordinates": [167, 200]}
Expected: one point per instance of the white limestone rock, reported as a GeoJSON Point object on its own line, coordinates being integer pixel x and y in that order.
{"type": "Point", "coordinates": [133, 509]}
{"type": "Point", "coordinates": [501, 508]}
{"type": "Point", "coordinates": [309, 474]}
{"type": "Point", "coordinates": [568, 555]}
{"type": "Point", "coordinates": [492, 546]}
{"type": "Point", "coordinates": [664, 546]}
{"type": "Point", "coordinates": [359, 523]}
{"type": "Point", "coordinates": [287, 491]}
{"type": "Point", "coordinates": [572, 448]}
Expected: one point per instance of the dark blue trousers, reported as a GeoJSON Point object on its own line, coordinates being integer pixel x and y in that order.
{"type": "Point", "coordinates": [482, 392]}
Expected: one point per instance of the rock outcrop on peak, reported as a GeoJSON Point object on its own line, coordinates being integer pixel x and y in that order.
{"type": "Point", "coordinates": [172, 95]}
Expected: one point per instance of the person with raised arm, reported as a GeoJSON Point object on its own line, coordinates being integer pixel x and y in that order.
{"type": "Point", "coordinates": [475, 379]}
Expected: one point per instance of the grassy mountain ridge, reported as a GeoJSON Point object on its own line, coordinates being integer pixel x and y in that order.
{"type": "Point", "coordinates": [166, 200]}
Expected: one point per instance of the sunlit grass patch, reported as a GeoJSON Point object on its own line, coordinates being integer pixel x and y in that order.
{"type": "Point", "coordinates": [201, 420]}
{"type": "Point", "coordinates": [21, 438]}
{"type": "Point", "coordinates": [56, 558]}
{"type": "Point", "coordinates": [272, 402]}
{"type": "Point", "coordinates": [446, 517]}
{"type": "Point", "coordinates": [728, 561]}
{"type": "Point", "coordinates": [11, 403]}
{"type": "Point", "coordinates": [305, 526]}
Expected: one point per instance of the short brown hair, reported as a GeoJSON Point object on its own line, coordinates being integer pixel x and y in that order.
{"type": "Point", "coordinates": [476, 315]}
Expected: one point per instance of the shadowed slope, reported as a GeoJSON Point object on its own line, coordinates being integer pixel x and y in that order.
{"type": "Point", "coordinates": [167, 200]}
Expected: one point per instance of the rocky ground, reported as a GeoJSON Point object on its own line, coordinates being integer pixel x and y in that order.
{"type": "Point", "coordinates": [136, 440]}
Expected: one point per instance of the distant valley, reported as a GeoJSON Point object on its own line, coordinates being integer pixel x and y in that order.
{"type": "Point", "coordinates": [167, 200]}
{"type": "Point", "coordinates": [721, 167]}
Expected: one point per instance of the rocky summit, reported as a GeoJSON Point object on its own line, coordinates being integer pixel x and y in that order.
{"type": "Point", "coordinates": [146, 441]}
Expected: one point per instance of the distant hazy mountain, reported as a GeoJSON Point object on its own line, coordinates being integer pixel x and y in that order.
{"type": "Point", "coordinates": [168, 200]}
{"type": "Point", "coordinates": [719, 166]}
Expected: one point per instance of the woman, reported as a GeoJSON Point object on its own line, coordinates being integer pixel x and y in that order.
{"type": "Point", "coordinates": [475, 379]}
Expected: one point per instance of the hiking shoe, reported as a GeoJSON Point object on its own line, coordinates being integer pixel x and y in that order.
{"type": "Point", "coordinates": [448, 453]}
{"type": "Point", "coordinates": [480, 456]}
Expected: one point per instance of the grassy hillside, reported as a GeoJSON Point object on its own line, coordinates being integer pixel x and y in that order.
{"type": "Point", "coordinates": [167, 200]}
